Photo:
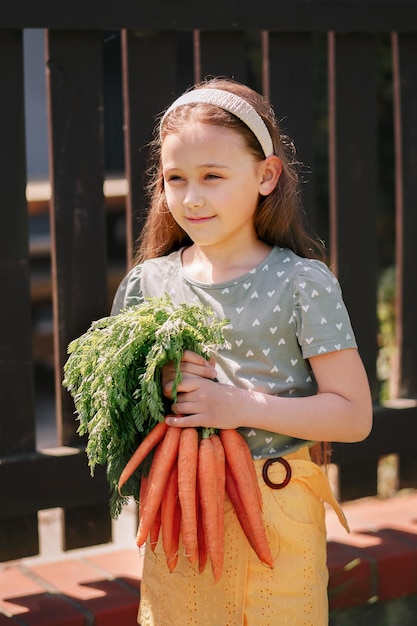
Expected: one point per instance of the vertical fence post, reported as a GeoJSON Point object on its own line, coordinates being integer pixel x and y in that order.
{"type": "Point", "coordinates": [353, 183]}
{"type": "Point", "coordinates": [404, 49]}
{"type": "Point", "coordinates": [19, 536]}
{"type": "Point", "coordinates": [145, 58]}
{"type": "Point", "coordinates": [291, 92]}
{"type": "Point", "coordinates": [79, 263]}
{"type": "Point", "coordinates": [353, 204]}
{"type": "Point", "coordinates": [223, 54]}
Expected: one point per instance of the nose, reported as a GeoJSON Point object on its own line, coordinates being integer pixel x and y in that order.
{"type": "Point", "coordinates": [193, 198]}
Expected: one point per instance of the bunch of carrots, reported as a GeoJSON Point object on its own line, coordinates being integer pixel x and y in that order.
{"type": "Point", "coordinates": [183, 494]}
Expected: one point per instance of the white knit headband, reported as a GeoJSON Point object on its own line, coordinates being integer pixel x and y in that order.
{"type": "Point", "coordinates": [233, 104]}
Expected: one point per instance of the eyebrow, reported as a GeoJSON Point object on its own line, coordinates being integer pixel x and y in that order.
{"type": "Point", "coordinates": [202, 166]}
{"type": "Point", "coordinates": [225, 167]}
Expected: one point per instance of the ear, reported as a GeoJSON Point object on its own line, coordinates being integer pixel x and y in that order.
{"type": "Point", "coordinates": [270, 172]}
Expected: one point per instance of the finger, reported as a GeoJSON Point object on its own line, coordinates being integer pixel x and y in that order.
{"type": "Point", "coordinates": [212, 361]}
{"type": "Point", "coordinates": [167, 389]}
{"type": "Point", "coordinates": [181, 421]}
{"type": "Point", "coordinates": [192, 357]}
{"type": "Point", "coordinates": [185, 385]}
{"type": "Point", "coordinates": [183, 407]}
{"type": "Point", "coordinates": [204, 371]}
{"type": "Point", "coordinates": [168, 373]}
{"type": "Point", "coordinates": [198, 365]}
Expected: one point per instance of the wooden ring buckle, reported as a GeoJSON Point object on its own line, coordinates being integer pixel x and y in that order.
{"type": "Point", "coordinates": [266, 478]}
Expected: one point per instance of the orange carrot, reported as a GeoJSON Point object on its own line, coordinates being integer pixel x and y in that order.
{"type": "Point", "coordinates": [207, 481]}
{"type": "Point", "coordinates": [156, 525]}
{"type": "Point", "coordinates": [232, 491]}
{"type": "Point", "coordinates": [221, 482]}
{"type": "Point", "coordinates": [235, 445]}
{"type": "Point", "coordinates": [202, 545]}
{"type": "Point", "coordinates": [248, 490]}
{"type": "Point", "coordinates": [145, 447]}
{"type": "Point", "coordinates": [187, 481]}
{"type": "Point", "coordinates": [142, 491]}
{"type": "Point", "coordinates": [171, 519]}
{"type": "Point", "coordinates": [155, 530]}
{"type": "Point", "coordinates": [164, 458]}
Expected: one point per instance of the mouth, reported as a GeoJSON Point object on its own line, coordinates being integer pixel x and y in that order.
{"type": "Point", "coordinates": [199, 220]}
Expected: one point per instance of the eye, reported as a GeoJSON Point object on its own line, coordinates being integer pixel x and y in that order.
{"type": "Point", "coordinates": [173, 178]}
{"type": "Point", "coordinates": [212, 176]}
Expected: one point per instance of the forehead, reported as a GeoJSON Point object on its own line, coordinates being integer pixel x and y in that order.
{"type": "Point", "coordinates": [202, 137]}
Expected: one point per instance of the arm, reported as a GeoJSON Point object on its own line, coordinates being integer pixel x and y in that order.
{"type": "Point", "coordinates": [341, 411]}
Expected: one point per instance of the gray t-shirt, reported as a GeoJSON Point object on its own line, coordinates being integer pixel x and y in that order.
{"type": "Point", "coordinates": [281, 313]}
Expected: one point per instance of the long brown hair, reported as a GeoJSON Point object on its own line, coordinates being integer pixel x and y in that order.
{"type": "Point", "coordinates": [279, 217]}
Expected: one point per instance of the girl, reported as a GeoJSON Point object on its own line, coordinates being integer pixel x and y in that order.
{"type": "Point", "coordinates": [225, 228]}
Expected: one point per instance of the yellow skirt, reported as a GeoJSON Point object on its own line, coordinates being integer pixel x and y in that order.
{"type": "Point", "coordinates": [294, 593]}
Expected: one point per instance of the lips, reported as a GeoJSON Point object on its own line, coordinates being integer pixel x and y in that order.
{"type": "Point", "coordinates": [199, 220]}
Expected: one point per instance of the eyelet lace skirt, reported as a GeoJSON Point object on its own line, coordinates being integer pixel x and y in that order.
{"type": "Point", "coordinates": [294, 593]}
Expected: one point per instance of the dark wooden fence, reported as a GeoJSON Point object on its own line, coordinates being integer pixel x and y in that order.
{"type": "Point", "coordinates": [343, 77]}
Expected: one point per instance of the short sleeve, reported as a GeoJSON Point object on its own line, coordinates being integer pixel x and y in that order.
{"type": "Point", "coordinates": [320, 315]}
{"type": "Point", "coordinates": [129, 292]}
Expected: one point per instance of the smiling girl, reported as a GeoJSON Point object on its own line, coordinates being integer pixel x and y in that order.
{"type": "Point", "coordinates": [225, 228]}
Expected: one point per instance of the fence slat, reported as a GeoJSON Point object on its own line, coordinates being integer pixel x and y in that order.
{"type": "Point", "coordinates": [145, 58]}
{"type": "Point", "coordinates": [47, 480]}
{"type": "Point", "coordinates": [353, 183]}
{"type": "Point", "coordinates": [291, 93]}
{"type": "Point", "coordinates": [17, 428]}
{"type": "Point", "coordinates": [77, 210]}
{"type": "Point", "coordinates": [79, 263]}
{"type": "Point", "coordinates": [405, 108]}
{"type": "Point", "coordinates": [223, 54]}
{"type": "Point", "coordinates": [19, 537]}
{"type": "Point", "coordinates": [86, 526]}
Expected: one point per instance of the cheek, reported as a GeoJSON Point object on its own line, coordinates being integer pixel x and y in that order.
{"type": "Point", "coordinates": [171, 199]}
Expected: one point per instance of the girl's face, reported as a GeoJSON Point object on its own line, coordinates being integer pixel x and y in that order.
{"type": "Point", "coordinates": [212, 184]}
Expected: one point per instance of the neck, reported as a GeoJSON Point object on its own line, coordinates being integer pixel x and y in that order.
{"type": "Point", "coordinates": [218, 266]}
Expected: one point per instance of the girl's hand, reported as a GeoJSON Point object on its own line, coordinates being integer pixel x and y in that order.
{"type": "Point", "coordinates": [192, 364]}
{"type": "Point", "coordinates": [206, 403]}
{"type": "Point", "coordinates": [201, 401]}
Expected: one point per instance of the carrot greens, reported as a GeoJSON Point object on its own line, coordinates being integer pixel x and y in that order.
{"type": "Point", "coordinates": [114, 376]}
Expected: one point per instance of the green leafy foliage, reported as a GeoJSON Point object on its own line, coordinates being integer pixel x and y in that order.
{"type": "Point", "coordinates": [114, 376]}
